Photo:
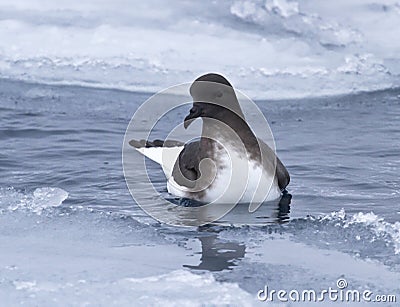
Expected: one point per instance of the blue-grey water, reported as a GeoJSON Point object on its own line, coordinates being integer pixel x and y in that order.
{"type": "Point", "coordinates": [70, 233]}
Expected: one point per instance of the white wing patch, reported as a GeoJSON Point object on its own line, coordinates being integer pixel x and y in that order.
{"type": "Point", "coordinates": [165, 156]}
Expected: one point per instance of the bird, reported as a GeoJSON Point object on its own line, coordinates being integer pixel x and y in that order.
{"type": "Point", "coordinates": [228, 163]}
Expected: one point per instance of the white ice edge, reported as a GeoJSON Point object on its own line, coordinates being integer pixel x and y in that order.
{"type": "Point", "coordinates": [268, 49]}
{"type": "Point", "coordinates": [37, 201]}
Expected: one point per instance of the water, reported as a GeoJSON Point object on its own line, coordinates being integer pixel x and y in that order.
{"type": "Point", "coordinates": [271, 48]}
{"type": "Point", "coordinates": [70, 232]}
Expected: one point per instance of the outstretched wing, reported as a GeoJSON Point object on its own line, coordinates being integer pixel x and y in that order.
{"type": "Point", "coordinates": [164, 153]}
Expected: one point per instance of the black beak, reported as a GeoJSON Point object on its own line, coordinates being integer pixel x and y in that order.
{"type": "Point", "coordinates": [195, 112]}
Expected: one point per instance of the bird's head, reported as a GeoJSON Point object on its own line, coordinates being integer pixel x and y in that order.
{"type": "Point", "coordinates": [213, 97]}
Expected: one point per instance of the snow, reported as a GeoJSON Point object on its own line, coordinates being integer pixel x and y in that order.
{"type": "Point", "coordinates": [268, 48]}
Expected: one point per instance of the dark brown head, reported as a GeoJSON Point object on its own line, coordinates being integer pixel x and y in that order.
{"type": "Point", "coordinates": [213, 97]}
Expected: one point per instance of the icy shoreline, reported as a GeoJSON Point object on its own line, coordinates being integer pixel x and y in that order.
{"type": "Point", "coordinates": [271, 49]}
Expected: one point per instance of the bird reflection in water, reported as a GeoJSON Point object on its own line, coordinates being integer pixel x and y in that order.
{"type": "Point", "coordinates": [218, 254]}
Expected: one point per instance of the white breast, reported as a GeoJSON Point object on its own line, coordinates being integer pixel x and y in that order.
{"type": "Point", "coordinates": [238, 180]}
